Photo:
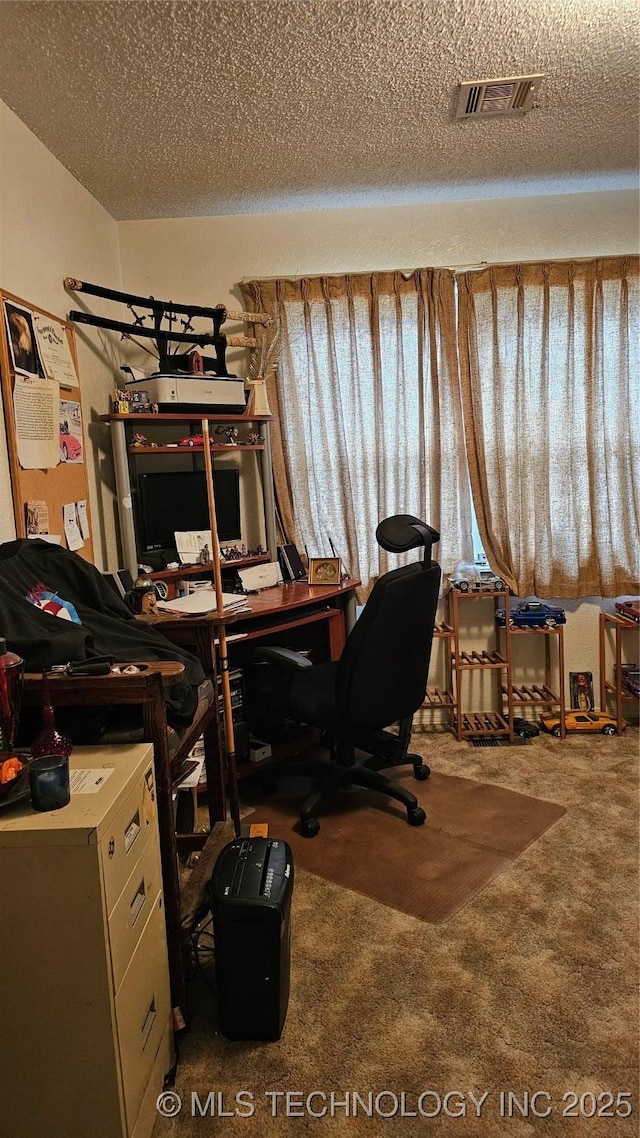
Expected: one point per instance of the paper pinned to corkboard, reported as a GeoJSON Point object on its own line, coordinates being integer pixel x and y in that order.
{"type": "Point", "coordinates": [54, 350]}
{"type": "Point", "coordinates": [36, 407]}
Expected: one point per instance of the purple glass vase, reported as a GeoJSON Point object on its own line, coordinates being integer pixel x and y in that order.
{"type": "Point", "coordinates": [49, 740]}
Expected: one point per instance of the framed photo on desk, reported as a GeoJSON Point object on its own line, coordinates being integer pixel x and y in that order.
{"type": "Point", "coordinates": [324, 570]}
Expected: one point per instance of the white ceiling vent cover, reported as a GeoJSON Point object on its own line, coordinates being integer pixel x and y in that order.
{"type": "Point", "coordinates": [514, 96]}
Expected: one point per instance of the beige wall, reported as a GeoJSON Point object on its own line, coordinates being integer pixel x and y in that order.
{"type": "Point", "coordinates": [50, 227]}
{"type": "Point", "coordinates": [203, 259]}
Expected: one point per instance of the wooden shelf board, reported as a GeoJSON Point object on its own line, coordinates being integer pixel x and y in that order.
{"type": "Point", "coordinates": [519, 694]}
{"type": "Point", "coordinates": [443, 631]}
{"type": "Point", "coordinates": [611, 686]}
{"type": "Point", "coordinates": [214, 447]}
{"type": "Point", "coordinates": [534, 631]}
{"type": "Point", "coordinates": [191, 570]}
{"type": "Point", "coordinates": [183, 417]}
{"type": "Point", "coordinates": [619, 620]}
{"type": "Point", "coordinates": [499, 725]}
{"type": "Point", "coordinates": [540, 702]}
{"type": "Point", "coordinates": [438, 698]}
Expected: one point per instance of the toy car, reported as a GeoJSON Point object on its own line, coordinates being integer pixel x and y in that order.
{"type": "Point", "coordinates": [525, 728]}
{"type": "Point", "coordinates": [532, 614]}
{"type": "Point", "coordinates": [484, 583]}
{"type": "Point", "coordinates": [191, 441]}
{"type": "Point", "coordinates": [591, 721]}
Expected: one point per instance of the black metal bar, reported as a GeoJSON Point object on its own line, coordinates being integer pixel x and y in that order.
{"type": "Point", "coordinates": [217, 314]}
{"type": "Point", "coordinates": [201, 338]}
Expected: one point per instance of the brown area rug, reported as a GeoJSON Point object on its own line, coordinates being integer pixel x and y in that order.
{"type": "Point", "coordinates": [474, 830]}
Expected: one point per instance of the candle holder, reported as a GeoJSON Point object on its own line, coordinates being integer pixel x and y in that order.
{"type": "Point", "coordinates": [49, 740]}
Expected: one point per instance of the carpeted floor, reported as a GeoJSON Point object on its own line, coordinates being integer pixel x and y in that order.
{"type": "Point", "coordinates": [474, 830]}
{"type": "Point", "coordinates": [531, 987]}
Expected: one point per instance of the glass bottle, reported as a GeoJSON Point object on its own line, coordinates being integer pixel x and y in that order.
{"type": "Point", "coordinates": [49, 740]}
{"type": "Point", "coordinates": [11, 677]}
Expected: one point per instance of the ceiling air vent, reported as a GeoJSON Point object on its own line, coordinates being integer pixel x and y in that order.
{"type": "Point", "coordinates": [514, 96]}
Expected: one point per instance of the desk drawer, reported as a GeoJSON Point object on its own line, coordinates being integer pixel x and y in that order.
{"type": "Point", "coordinates": [131, 912]}
{"type": "Point", "coordinates": [122, 844]}
{"type": "Point", "coordinates": [143, 1013]}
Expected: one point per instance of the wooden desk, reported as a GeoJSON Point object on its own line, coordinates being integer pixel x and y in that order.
{"type": "Point", "coordinates": [274, 611]}
{"type": "Point", "coordinates": [278, 615]}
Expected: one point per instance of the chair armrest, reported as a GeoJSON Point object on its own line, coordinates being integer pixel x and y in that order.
{"type": "Point", "coordinates": [283, 658]}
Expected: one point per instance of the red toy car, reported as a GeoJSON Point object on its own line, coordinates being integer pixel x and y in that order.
{"type": "Point", "coordinates": [192, 441]}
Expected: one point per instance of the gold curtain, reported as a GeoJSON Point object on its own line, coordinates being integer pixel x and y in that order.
{"type": "Point", "coordinates": [551, 391]}
{"type": "Point", "coordinates": [368, 419]}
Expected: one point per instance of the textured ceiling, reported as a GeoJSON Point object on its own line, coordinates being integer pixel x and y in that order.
{"type": "Point", "coordinates": [166, 109]}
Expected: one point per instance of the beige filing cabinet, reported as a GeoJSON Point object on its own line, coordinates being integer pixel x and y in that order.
{"type": "Point", "coordinates": [85, 1030]}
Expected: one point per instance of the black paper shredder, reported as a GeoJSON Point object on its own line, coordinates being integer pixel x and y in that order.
{"type": "Point", "coordinates": [250, 897]}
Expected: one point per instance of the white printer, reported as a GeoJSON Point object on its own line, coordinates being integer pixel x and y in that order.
{"type": "Point", "coordinates": [209, 394]}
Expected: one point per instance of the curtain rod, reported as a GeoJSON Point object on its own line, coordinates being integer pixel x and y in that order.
{"type": "Point", "coordinates": [452, 268]}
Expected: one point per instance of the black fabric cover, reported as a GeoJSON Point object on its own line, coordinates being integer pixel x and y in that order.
{"type": "Point", "coordinates": [93, 620]}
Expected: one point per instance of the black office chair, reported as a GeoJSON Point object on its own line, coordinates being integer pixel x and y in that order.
{"type": "Point", "coordinates": [379, 680]}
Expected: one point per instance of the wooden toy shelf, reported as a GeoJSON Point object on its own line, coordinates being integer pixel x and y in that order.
{"type": "Point", "coordinates": [618, 625]}
{"type": "Point", "coordinates": [496, 659]}
{"type": "Point", "coordinates": [467, 724]}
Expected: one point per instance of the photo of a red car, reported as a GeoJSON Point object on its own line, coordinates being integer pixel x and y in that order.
{"type": "Point", "coordinates": [70, 446]}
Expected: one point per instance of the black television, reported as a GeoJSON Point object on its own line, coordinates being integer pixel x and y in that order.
{"type": "Point", "coordinates": [170, 501]}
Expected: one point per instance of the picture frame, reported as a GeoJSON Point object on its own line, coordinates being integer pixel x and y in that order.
{"type": "Point", "coordinates": [324, 571]}
{"type": "Point", "coordinates": [22, 341]}
{"type": "Point", "coordinates": [581, 689]}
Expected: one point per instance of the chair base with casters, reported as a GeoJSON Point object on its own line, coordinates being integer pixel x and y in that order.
{"type": "Point", "coordinates": [379, 680]}
{"type": "Point", "coordinates": [344, 770]}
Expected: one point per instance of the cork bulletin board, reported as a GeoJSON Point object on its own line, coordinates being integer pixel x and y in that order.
{"type": "Point", "coordinates": [47, 458]}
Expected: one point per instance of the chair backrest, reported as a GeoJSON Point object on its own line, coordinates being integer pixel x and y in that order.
{"type": "Point", "coordinates": [382, 672]}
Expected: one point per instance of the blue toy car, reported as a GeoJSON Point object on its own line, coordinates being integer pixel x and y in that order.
{"type": "Point", "coordinates": [532, 614]}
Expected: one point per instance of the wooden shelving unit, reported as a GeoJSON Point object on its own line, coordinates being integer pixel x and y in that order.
{"type": "Point", "coordinates": [510, 699]}
{"type": "Point", "coordinates": [544, 695]}
{"type": "Point", "coordinates": [442, 698]}
{"type": "Point", "coordinates": [617, 625]}
{"type": "Point", "coordinates": [127, 457]}
{"type": "Point", "coordinates": [467, 724]}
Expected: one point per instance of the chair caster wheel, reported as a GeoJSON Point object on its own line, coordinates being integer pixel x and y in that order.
{"type": "Point", "coordinates": [421, 771]}
{"type": "Point", "coordinates": [416, 816]}
{"type": "Point", "coordinates": [309, 827]}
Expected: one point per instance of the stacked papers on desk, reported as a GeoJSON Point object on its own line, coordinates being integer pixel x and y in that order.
{"type": "Point", "coordinates": [203, 601]}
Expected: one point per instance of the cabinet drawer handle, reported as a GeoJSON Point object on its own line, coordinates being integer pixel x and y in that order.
{"type": "Point", "coordinates": [137, 904]}
{"type": "Point", "coordinates": [149, 1020]}
{"type": "Point", "coordinates": [131, 831]}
